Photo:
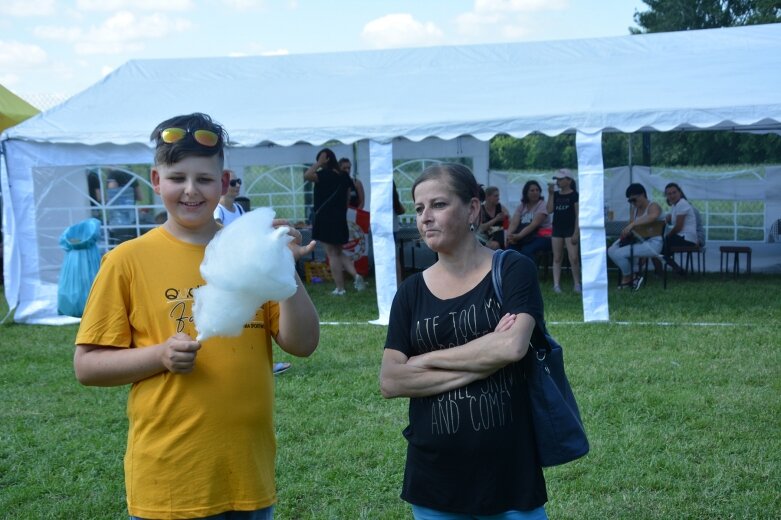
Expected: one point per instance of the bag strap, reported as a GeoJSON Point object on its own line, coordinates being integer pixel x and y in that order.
{"type": "Point", "coordinates": [496, 272]}
{"type": "Point", "coordinates": [497, 262]}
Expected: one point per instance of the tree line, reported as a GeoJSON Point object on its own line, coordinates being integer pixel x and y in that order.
{"type": "Point", "coordinates": [660, 148]}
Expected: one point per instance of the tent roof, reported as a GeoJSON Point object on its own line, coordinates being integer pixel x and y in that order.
{"type": "Point", "coordinates": [13, 109]}
{"type": "Point", "coordinates": [717, 78]}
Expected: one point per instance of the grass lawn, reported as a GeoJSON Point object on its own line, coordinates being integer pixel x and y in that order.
{"type": "Point", "coordinates": [680, 393]}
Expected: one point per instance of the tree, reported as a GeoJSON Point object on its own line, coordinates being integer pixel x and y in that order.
{"type": "Point", "coordinates": [681, 15]}
{"type": "Point", "coordinates": [709, 148]}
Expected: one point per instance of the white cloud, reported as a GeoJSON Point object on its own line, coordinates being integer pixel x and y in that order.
{"type": "Point", "coordinates": [496, 20]}
{"type": "Point", "coordinates": [122, 32]}
{"type": "Point", "coordinates": [243, 5]}
{"type": "Point", "coordinates": [28, 7]}
{"type": "Point", "coordinates": [143, 5]}
{"type": "Point", "coordinates": [20, 55]}
{"type": "Point", "coordinates": [400, 30]}
{"type": "Point", "coordinates": [105, 70]}
{"type": "Point", "coordinates": [515, 6]}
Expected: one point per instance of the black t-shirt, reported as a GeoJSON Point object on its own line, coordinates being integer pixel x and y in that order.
{"type": "Point", "coordinates": [564, 214]}
{"type": "Point", "coordinates": [470, 450]}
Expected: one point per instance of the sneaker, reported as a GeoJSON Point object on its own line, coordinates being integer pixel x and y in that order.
{"type": "Point", "coordinates": [280, 367]}
{"type": "Point", "coordinates": [338, 292]}
{"type": "Point", "coordinates": [578, 289]}
{"type": "Point", "coordinates": [557, 289]}
{"type": "Point", "coordinates": [637, 283]}
{"type": "Point", "coordinates": [358, 283]}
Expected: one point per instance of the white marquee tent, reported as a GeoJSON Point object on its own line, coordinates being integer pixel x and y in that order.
{"type": "Point", "coordinates": [711, 79]}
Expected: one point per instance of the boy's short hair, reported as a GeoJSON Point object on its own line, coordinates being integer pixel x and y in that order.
{"type": "Point", "coordinates": [187, 146]}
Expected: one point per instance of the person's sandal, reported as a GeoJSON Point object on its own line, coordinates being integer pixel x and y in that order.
{"type": "Point", "coordinates": [280, 367]}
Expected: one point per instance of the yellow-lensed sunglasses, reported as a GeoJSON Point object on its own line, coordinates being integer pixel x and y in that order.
{"type": "Point", "coordinates": [202, 137]}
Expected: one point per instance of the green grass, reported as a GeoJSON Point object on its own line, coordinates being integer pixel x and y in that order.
{"type": "Point", "coordinates": [683, 418]}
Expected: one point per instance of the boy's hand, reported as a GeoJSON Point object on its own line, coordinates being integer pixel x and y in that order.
{"type": "Point", "coordinates": [505, 323]}
{"type": "Point", "coordinates": [295, 246]}
{"type": "Point", "coordinates": [179, 353]}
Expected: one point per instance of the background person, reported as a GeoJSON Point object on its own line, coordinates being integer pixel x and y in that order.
{"type": "Point", "coordinates": [563, 206]}
{"type": "Point", "coordinates": [683, 222]}
{"type": "Point", "coordinates": [450, 350]}
{"type": "Point", "coordinates": [530, 224]}
{"type": "Point", "coordinates": [329, 226]}
{"type": "Point", "coordinates": [357, 195]}
{"type": "Point", "coordinates": [492, 216]}
{"type": "Point", "coordinates": [641, 213]}
{"type": "Point", "coordinates": [228, 209]}
{"type": "Point", "coordinates": [188, 399]}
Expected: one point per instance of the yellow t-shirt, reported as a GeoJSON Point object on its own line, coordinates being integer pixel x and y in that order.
{"type": "Point", "coordinates": [200, 443]}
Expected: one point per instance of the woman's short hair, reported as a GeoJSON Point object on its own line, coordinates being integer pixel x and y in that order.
{"type": "Point", "coordinates": [458, 177]}
{"type": "Point", "coordinates": [636, 189]}
{"type": "Point", "coordinates": [490, 190]}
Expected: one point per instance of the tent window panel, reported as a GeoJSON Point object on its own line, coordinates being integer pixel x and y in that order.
{"type": "Point", "coordinates": [735, 220]}
{"type": "Point", "coordinates": [756, 235]}
{"type": "Point", "coordinates": [280, 187]}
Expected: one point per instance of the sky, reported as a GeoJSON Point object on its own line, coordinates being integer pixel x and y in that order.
{"type": "Point", "coordinates": [53, 49]}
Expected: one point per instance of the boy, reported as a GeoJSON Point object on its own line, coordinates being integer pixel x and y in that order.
{"type": "Point", "coordinates": [200, 440]}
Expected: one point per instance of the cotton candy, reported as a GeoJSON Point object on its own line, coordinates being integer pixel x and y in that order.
{"type": "Point", "coordinates": [245, 265]}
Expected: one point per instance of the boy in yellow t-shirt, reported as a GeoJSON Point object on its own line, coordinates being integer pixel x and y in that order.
{"type": "Point", "coordinates": [200, 439]}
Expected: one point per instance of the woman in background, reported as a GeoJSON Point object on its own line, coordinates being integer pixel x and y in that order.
{"type": "Point", "coordinates": [563, 206]}
{"type": "Point", "coordinates": [492, 216]}
{"type": "Point", "coordinates": [530, 224]}
{"type": "Point", "coordinates": [329, 226]}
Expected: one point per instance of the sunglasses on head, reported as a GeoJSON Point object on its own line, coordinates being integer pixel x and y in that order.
{"type": "Point", "coordinates": [235, 182]}
{"type": "Point", "coordinates": [202, 137]}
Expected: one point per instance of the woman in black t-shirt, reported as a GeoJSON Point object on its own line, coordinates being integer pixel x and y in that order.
{"type": "Point", "coordinates": [457, 354]}
{"type": "Point", "coordinates": [563, 206]}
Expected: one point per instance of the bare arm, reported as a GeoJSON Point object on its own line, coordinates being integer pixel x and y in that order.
{"type": "Point", "coordinates": [576, 234]}
{"type": "Point", "coordinates": [443, 370]}
{"type": "Point", "coordinates": [361, 193]}
{"type": "Point", "coordinates": [97, 365]}
{"type": "Point", "coordinates": [299, 323]}
{"type": "Point", "coordinates": [539, 218]}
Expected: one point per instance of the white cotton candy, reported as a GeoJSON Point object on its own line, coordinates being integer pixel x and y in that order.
{"type": "Point", "coordinates": [246, 264]}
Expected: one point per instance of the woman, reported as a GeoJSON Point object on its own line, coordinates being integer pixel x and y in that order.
{"type": "Point", "coordinates": [530, 224]}
{"type": "Point", "coordinates": [642, 215]}
{"type": "Point", "coordinates": [684, 224]}
{"type": "Point", "coordinates": [453, 352]}
{"type": "Point", "coordinates": [329, 226]}
{"type": "Point", "coordinates": [492, 216]}
{"type": "Point", "coordinates": [563, 206]}
{"type": "Point", "coordinates": [357, 195]}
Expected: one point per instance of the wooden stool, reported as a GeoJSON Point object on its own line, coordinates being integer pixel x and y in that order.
{"type": "Point", "coordinates": [686, 259]}
{"type": "Point", "coordinates": [735, 250]}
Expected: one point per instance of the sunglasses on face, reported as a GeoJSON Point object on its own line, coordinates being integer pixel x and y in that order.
{"type": "Point", "coordinates": [235, 182]}
{"type": "Point", "coordinates": [631, 200]}
{"type": "Point", "coordinates": [203, 137]}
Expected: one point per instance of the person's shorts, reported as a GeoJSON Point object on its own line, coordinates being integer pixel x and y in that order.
{"type": "Point", "coordinates": [563, 231]}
